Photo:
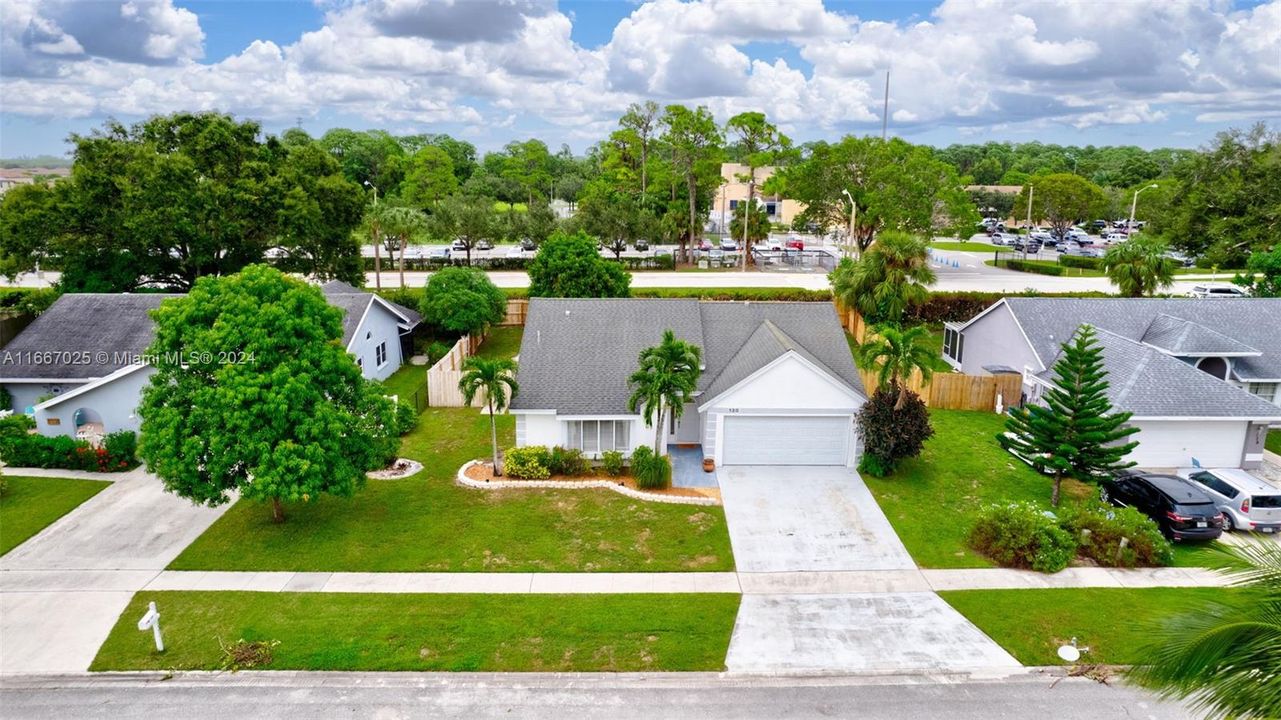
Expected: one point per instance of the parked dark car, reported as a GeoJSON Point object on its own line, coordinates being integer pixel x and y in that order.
{"type": "Point", "coordinates": [528, 245]}
{"type": "Point", "coordinates": [642, 245]}
{"type": "Point", "coordinates": [1179, 508]}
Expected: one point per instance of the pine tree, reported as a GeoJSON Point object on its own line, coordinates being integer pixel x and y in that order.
{"type": "Point", "coordinates": [1074, 434]}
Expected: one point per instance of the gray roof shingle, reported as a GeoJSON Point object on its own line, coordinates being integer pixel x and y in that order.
{"type": "Point", "coordinates": [354, 302]}
{"type": "Point", "coordinates": [1149, 383]}
{"type": "Point", "coordinates": [576, 355]}
{"type": "Point", "coordinates": [1252, 322]}
{"type": "Point", "coordinates": [1184, 337]}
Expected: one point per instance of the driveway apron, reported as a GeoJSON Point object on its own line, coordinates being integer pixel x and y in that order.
{"type": "Point", "coordinates": [54, 609]}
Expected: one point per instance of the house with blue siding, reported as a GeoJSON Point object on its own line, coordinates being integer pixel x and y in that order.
{"type": "Point", "coordinates": [80, 367]}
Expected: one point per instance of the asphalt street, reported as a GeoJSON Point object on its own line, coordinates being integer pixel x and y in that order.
{"type": "Point", "coordinates": [558, 697]}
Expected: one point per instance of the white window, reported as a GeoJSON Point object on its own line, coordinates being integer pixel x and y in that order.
{"type": "Point", "coordinates": [953, 343]}
{"type": "Point", "coordinates": [597, 436]}
{"type": "Point", "coordinates": [1267, 391]}
{"type": "Point", "coordinates": [380, 354]}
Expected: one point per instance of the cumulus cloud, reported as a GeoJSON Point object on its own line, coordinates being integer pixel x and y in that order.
{"type": "Point", "coordinates": [498, 65]}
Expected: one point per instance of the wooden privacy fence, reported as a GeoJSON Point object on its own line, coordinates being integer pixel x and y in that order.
{"type": "Point", "coordinates": [443, 377]}
{"type": "Point", "coordinates": [517, 309]}
{"type": "Point", "coordinates": [946, 390]}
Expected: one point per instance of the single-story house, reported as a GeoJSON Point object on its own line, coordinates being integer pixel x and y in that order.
{"type": "Point", "coordinates": [1200, 376]}
{"type": "Point", "coordinates": [80, 367]}
{"type": "Point", "coordinates": [778, 385]}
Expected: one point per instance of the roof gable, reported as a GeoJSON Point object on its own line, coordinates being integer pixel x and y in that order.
{"type": "Point", "coordinates": [1178, 336]}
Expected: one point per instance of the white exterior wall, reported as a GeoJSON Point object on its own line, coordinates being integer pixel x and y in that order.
{"type": "Point", "coordinates": [115, 402]}
{"type": "Point", "coordinates": [789, 387]}
{"type": "Point", "coordinates": [25, 395]}
{"type": "Point", "coordinates": [379, 326]}
{"type": "Point", "coordinates": [550, 429]}
{"type": "Point", "coordinates": [1173, 443]}
{"type": "Point", "coordinates": [996, 339]}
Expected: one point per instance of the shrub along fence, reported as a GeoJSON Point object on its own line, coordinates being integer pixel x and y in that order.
{"type": "Point", "coordinates": [443, 377]}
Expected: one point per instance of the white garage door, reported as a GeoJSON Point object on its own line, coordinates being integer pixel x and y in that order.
{"type": "Point", "coordinates": [1167, 443]}
{"type": "Point", "coordinates": [786, 440]}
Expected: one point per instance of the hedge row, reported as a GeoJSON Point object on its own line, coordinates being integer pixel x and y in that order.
{"type": "Point", "coordinates": [1089, 263]}
{"type": "Point", "coordinates": [16, 301]}
{"type": "Point", "coordinates": [20, 448]}
{"type": "Point", "coordinates": [1030, 266]}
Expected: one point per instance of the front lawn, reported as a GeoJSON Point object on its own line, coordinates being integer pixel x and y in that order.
{"type": "Point", "coordinates": [1273, 441]}
{"type": "Point", "coordinates": [1113, 622]}
{"type": "Point", "coordinates": [30, 504]}
{"type": "Point", "coordinates": [428, 523]}
{"type": "Point", "coordinates": [406, 381]}
{"type": "Point", "coordinates": [931, 500]}
{"type": "Point", "coordinates": [491, 633]}
{"type": "Point", "coordinates": [978, 247]}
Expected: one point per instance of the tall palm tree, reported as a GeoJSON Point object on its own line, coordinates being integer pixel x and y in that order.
{"type": "Point", "coordinates": [1139, 266]}
{"type": "Point", "coordinates": [667, 376]}
{"type": "Point", "coordinates": [496, 378]}
{"type": "Point", "coordinates": [893, 274]}
{"type": "Point", "coordinates": [1226, 655]}
{"type": "Point", "coordinates": [895, 353]}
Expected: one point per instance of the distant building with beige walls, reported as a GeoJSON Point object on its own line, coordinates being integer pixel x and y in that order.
{"type": "Point", "coordinates": [734, 191]}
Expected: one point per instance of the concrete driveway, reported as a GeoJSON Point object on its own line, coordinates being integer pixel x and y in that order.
{"type": "Point", "coordinates": [62, 590]}
{"type": "Point", "coordinates": [791, 518]}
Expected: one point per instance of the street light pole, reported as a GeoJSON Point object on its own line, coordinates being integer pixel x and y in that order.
{"type": "Point", "coordinates": [378, 266]}
{"type": "Point", "coordinates": [1134, 204]}
{"type": "Point", "coordinates": [1031, 190]}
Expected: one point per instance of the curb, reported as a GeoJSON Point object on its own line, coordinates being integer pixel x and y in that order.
{"type": "Point", "coordinates": [465, 481]}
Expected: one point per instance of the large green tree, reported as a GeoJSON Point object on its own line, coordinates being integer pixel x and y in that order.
{"type": "Point", "coordinates": [896, 185]}
{"type": "Point", "coordinates": [759, 144]}
{"type": "Point", "coordinates": [495, 379]}
{"type": "Point", "coordinates": [1075, 433]}
{"type": "Point", "coordinates": [467, 220]}
{"type": "Point", "coordinates": [1139, 266]}
{"type": "Point", "coordinates": [892, 275]}
{"type": "Point", "coordinates": [1224, 656]}
{"type": "Point", "coordinates": [757, 229]}
{"type": "Point", "coordinates": [665, 379]}
{"type": "Point", "coordinates": [462, 300]}
{"type": "Point", "coordinates": [30, 221]}
{"type": "Point", "coordinates": [571, 266]}
{"type": "Point", "coordinates": [430, 177]}
{"type": "Point", "coordinates": [1061, 200]}
{"type": "Point", "coordinates": [694, 143]}
{"type": "Point", "coordinates": [254, 393]}
{"type": "Point", "coordinates": [1262, 275]}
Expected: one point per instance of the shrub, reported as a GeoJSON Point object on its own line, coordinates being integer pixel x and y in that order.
{"type": "Point", "coordinates": [6, 400]}
{"type": "Point", "coordinates": [652, 472]}
{"type": "Point", "coordinates": [121, 446]}
{"type": "Point", "coordinates": [462, 300]}
{"type": "Point", "coordinates": [612, 462]}
{"type": "Point", "coordinates": [406, 417]}
{"type": "Point", "coordinates": [437, 350]}
{"type": "Point", "coordinates": [20, 449]}
{"type": "Point", "coordinates": [890, 435]}
{"type": "Point", "coordinates": [527, 463]}
{"type": "Point", "coordinates": [16, 424]}
{"type": "Point", "coordinates": [1031, 267]}
{"type": "Point", "coordinates": [566, 461]}
{"type": "Point", "coordinates": [1145, 545]}
{"type": "Point", "coordinates": [1021, 535]}
{"type": "Point", "coordinates": [1090, 263]}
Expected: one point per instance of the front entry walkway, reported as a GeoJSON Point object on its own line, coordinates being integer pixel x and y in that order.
{"type": "Point", "coordinates": [687, 467]}
{"type": "Point", "coordinates": [794, 518]}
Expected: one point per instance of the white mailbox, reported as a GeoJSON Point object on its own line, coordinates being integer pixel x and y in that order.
{"type": "Point", "coordinates": [151, 620]}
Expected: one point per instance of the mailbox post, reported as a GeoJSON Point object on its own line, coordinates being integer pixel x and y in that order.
{"type": "Point", "coordinates": [152, 620]}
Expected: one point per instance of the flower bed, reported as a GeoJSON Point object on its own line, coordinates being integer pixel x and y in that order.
{"type": "Point", "coordinates": [19, 447]}
{"type": "Point", "coordinates": [480, 475]}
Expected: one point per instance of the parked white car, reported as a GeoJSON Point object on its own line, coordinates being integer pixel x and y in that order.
{"type": "Point", "coordinates": [1115, 237]}
{"type": "Point", "coordinates": [1217, 291]}
{"type": "Point", "coordinates": [1072, 247]}
{"type": "Point", "coordinates": [1247, 503]}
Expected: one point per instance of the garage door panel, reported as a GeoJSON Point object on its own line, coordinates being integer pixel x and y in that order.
{"type": "Point", "coordinates": [786, 440]}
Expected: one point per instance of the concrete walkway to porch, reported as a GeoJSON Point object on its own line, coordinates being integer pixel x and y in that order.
{"type": "Point", "coordinates": [687, 467]}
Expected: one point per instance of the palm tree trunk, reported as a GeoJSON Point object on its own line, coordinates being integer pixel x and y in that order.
{"type": "Point", "coordinates": [403, 243]}
{"type": "Point", "coordinates": [658, 432]}
{"type": "Point", "coordinates": [493, 436]}
{"type": "Point", "coordinates": [378, 264]}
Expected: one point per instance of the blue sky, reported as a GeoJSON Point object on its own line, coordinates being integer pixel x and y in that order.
{"type": "Point", "coordinates": [1145, 72]}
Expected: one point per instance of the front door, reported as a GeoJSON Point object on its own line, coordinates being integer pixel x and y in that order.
{"type": "Point", "coordinates": [685, 430]}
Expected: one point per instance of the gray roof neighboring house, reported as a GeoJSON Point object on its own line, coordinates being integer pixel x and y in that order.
{"type": "Point", "coordinates": [82, 336]}
{"type": "Point", "coordinates": [1246, 324]}
{"type": "Point", "coordinates": [1186, 338]}
{"type": "Point", "coordinates": [1149, 383]}
{"type": "Point", "coordinates": [577, 355]}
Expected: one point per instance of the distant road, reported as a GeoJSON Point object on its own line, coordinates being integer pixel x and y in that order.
{"type": "Point", "coordinates": [539, 696]}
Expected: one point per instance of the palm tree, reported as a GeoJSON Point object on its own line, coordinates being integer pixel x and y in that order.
{"type": "Point", "coordinates": [889, 277]}
{"type": "Point", "coordinates": [1226, 655]}
{"type": "Point", "coordinates": [667, 376]}
{"type": "Point", "coordinates": [1139, 266]}
{"type": "Point", "coordinates": [494, 377]}
{"type": "Point", "coordinates": [894, 354]}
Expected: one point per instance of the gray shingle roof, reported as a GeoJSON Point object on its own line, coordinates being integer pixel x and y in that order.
{"type": "Point", "coordinates": [576, 355]}
{"type": "Point", "coordinates": [1252, 322]}
{"type": "Point", "coordinates": [65, 341]}
{"type": "Point", "coordinates": [1184, 337]}
{"type": "Point", "coordinates": [118, 324]}
{"type": "Point", "coordinates": [1149, 383]}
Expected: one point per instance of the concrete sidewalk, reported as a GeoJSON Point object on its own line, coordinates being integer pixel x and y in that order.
{"type": "Point", "coordinates": [747, 583]}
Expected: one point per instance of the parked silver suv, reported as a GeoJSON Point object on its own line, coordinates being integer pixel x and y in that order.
{"type": "Point", "coordinates": [1247, 503]}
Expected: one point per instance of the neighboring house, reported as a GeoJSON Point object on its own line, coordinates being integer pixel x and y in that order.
{"type": "Point", "coordinates": [778, 385]}
{"type": "Point", "coordinates": [733, 190]}
{"type": "Point", "coordinates": [87, 351]}
{"type": "Point", "coordinates": [1201, 376]}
